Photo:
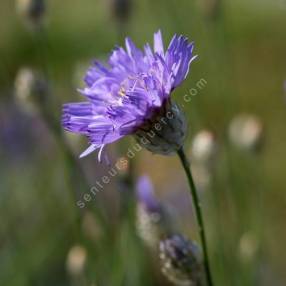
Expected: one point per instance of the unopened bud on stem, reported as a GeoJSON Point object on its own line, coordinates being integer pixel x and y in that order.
{"type": "Point", "coordinates": [165, 133]}
{"type": "Point", "coordinates": [181, 262]}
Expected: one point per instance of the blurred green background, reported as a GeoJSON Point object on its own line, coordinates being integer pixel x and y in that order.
{"type": "Point", "coordinates": [46, 239]}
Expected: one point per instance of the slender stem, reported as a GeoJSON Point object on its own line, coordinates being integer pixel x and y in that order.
{"type": "Point", "coordinates": [75, 175]}
{"type": "Point", "coordinates": [198, 211]}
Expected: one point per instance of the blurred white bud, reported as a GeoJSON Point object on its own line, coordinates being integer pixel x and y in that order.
{"type": "Point", "coordinates": [248, 246]}
{"type": "Point", "coordinates": [246, 132]}
{"type": "Point", "coordinates": [203, 151]}
{"type": "Point", "coordinates": [76, 260]}
{"type": "Point", "coordinates": [149, 226]}
{"type": "Point", "coordinates": [30, 87]}
{"type": "Point", "coordinates": [32, 11]}
{"type": "Point", "coordinates": [23, 87]}
{"type": "Point", "coordinates": [204, 147]}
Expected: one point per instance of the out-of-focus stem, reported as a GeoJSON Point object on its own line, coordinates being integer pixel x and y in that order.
{"type": "Point", "coordinates": [75, 174]}
{"type": "Point", "coordinates": [76, 177]}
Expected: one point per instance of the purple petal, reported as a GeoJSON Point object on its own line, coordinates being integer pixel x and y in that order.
{"type": "Point", "coordinates": [77, 116]}
{"type": "Point", "coordinates": [179, 56]}
{"type": "Point", "coordinates": [158, 43]}
{"type": "Point", "coordinates": [89, 150]}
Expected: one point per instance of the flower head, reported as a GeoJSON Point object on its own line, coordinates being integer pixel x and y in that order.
{"type": "Point", "coordinates": [150, 213]}
{"type": "Point", "coordinates": [181, 261]}
{"type": "Point", "coordinates": [130, 93]}
{"type": "Point", "coordinates": [153, 217]}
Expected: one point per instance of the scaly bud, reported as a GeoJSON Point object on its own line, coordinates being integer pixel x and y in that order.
{"type": "Point", "coordinates": [165, 133]}
{"type": "Point", "coordinates": [181, 261]}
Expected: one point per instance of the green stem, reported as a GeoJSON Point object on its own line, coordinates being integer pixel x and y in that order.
{"type": "Point", "coordinates": [198, 211]}
{"type": "Point", "coordinates": [75, 175]}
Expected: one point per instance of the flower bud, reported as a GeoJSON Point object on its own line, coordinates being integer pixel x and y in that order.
{"type": "Point", "coordinates": [246, 132]}
{"type": "Point", "coordinates": [151, 216]}
{"type": "Point", "coordinates": [30, 87]}
{"type": "Point", "coordinates": [76, 260]}
{"type": "Point", "coordinates": [181, 261]}
{"type": "Point", "coordinates": [165, 133]}
{"type": "Point", "coordinates": [32, 11]}
{"type": "Point", "coordinates": [248, 246]}
{"type": "Point", "coordinates": [204, 147]}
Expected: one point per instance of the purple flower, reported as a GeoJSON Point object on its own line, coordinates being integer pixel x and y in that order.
{"type": "Point", "coordinates": [128, 94]}
{"type": "Point", "coordinates": [152, 221]}
{"type": "Point", "coordinates": [145, 194]}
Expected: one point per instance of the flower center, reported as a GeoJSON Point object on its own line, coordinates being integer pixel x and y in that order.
{"type": "Point", "coordinates": [131, 83]}
{"type": "Point", "coordinates": [122, 91]}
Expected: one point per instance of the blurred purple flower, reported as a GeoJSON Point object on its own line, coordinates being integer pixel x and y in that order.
{"type": "Point", "coordinates": [18, 133]}
{"type": "Point", "coordinates": [145, 194]}
{"type": "Point", "coordinates": [153, 221]}
{"type": "Point", "coordinates": [130, 92]}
